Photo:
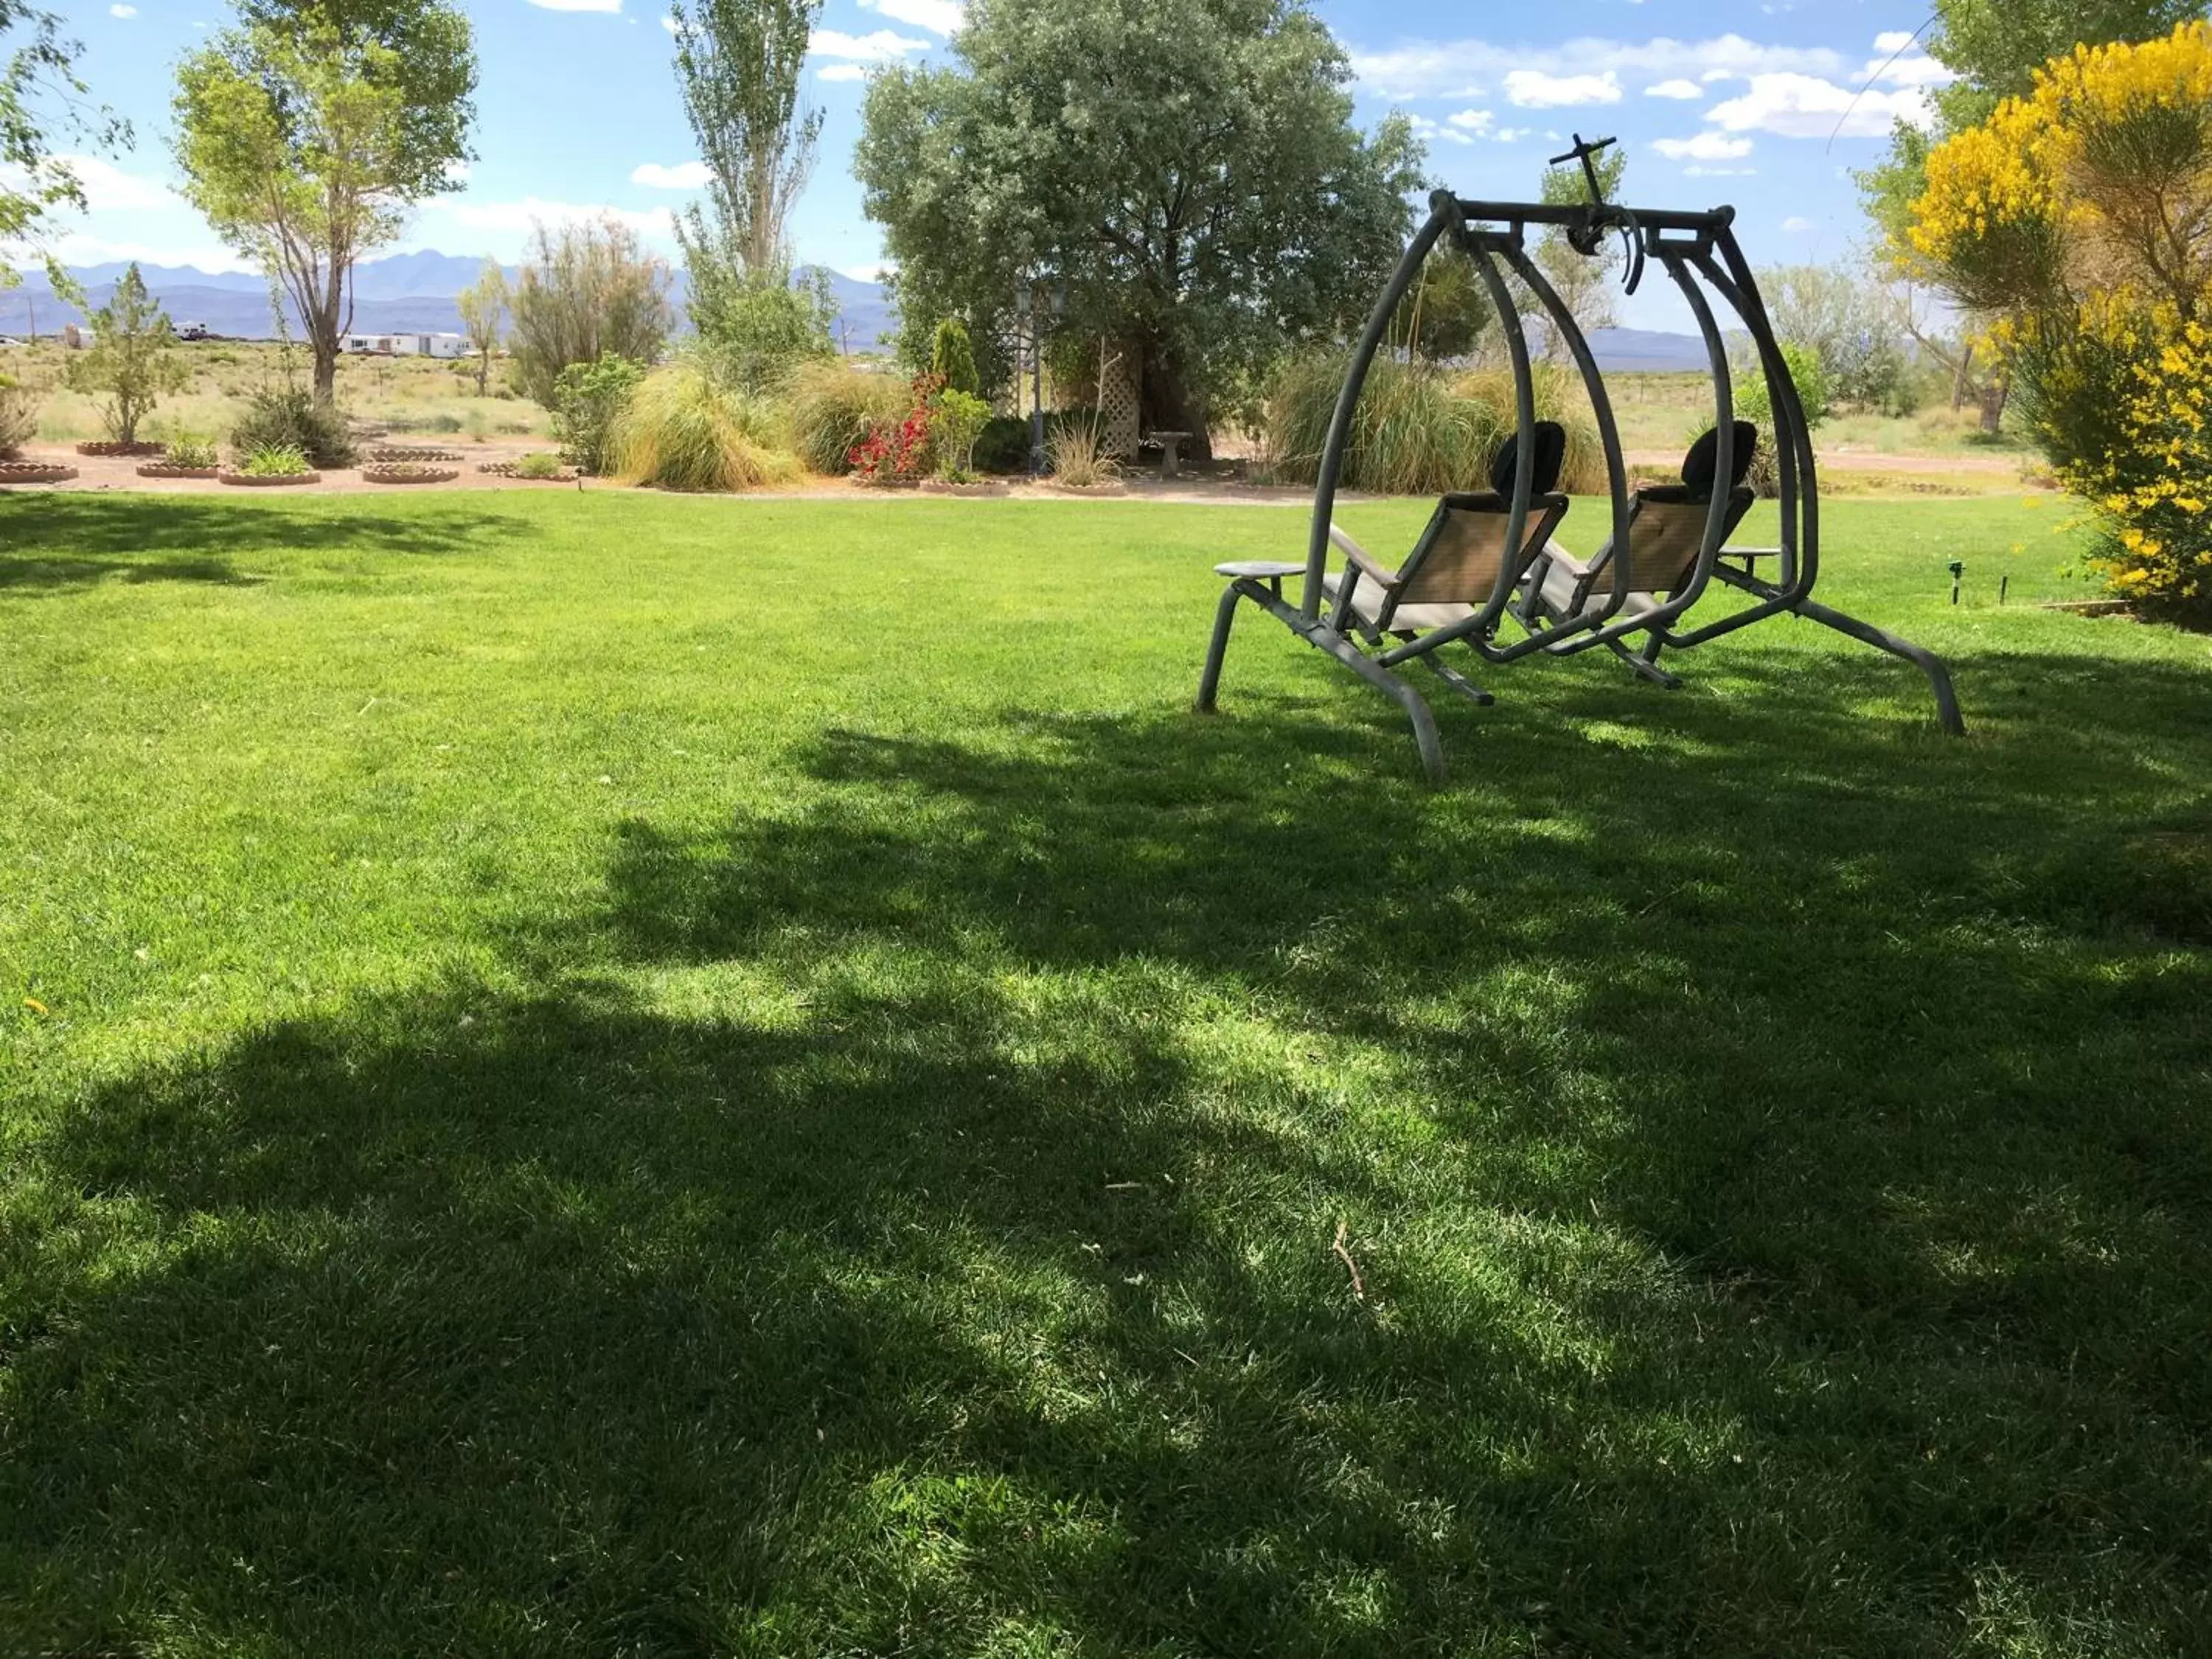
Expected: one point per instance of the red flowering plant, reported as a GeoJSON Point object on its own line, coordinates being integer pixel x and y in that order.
{"type": "Point", "coordinates": [898, 452]}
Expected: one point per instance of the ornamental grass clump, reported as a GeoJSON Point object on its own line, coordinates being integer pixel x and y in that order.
{"type": "Point", "coordinates": [683, 429]}
{"type": "Point", "coordinates": [1414, 432]}
{"type": "Point", "coordinates": [833, 407]}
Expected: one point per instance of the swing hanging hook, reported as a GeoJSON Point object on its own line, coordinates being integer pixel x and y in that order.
{"type": "Point", "coordinates": [1603, 217]}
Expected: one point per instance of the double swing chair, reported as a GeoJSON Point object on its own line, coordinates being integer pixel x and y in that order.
{"type": "Point", "coordinates": [1490, 559]}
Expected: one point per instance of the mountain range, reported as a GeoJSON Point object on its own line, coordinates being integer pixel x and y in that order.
{"type": "Point", "coordinates": [414, 293]}
{"type": "Point", "coordinates": [402, 294]}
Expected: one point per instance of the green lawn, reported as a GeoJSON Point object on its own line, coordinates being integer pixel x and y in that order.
{"type": "Point", "coordinates": [630, 1076]}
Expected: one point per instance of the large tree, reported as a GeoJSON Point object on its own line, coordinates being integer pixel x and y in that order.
{"type": "Point", "coordinates": [1188, 169]}
{"type": "Point", "coordinates": [306, 133]}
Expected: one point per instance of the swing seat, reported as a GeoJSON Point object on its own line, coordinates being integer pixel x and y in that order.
{"type": "Point", "coordinates": [1666, 527]}
{"type": "Point", "coordinates": [1453, 571]}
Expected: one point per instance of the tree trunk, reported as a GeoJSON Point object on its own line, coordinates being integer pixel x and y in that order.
{"type": "Point", "coordinates": [483, 369]}
{"type": "Point", "coordinates": [1165, 403]}
{"type": "Point", "coordinates": [1995, 396]}
{"type": "Point", "coordinates": [1962, 379]}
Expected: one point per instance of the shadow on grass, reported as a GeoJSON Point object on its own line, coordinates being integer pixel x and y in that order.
{"type": "Point", "coordinates": [69, 539]}
{"type": "Point", "coordinates": [1778, 1194]}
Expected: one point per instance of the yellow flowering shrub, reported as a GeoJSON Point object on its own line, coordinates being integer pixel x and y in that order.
{"type": "Point", "coordinates": [2077, 224]}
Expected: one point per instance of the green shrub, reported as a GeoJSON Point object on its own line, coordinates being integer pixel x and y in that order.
{"type": "Point", "coordinates": [954, 425]}
{"type": "Point", "coordinates": [953, 357]}
{"type": "Point", "coordinates": [588, 400]}
{"type": "Point", "coordinates": [681, 429]}
{"type": "Point", "coordinates": [276, 461]}
{"type": "Point", "coordinates": [1003, 445]}
{"type": "Point", "coordinates": [190, 449]}
{"type": "Point", "coordinates": [19, 416]}
{"type": "Point", "coordinates": [287, 418]}
{"type": "Point", "coordinates": [833, 407]}
{"type": "Point", "coordinates": [539, 464]}
{"type": "Point", "coordinates": [1753, 403]}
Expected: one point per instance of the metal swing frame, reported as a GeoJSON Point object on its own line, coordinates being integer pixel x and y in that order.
{"type": "Point", "coordinates": [1697, 251]}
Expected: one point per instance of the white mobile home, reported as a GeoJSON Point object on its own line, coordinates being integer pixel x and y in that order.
{"type": "Point", "coordinates": [407, 345]}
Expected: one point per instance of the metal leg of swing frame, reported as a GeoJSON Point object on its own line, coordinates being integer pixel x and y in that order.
{"type": "Point", "coordinates": [1939, 676]}
{"type": "Point", "coordinates": [1458, 682]}
{"type": "Point", "coordinates": [1645, 665]}
{"type": "Point", "coordinates": [1323, 637]}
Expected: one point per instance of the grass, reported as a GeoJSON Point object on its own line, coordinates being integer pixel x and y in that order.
{"type": "Point", "coordinates": [626, 1075]}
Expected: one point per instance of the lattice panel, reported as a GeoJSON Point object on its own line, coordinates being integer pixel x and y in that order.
{"type": "Point", "coordinates": [1117, 408]}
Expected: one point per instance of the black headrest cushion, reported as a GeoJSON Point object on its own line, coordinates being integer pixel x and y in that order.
{"type": "Point", "coordinates": [1551, 456]}
{"type": "Point", "coordinates": [1700, 465]}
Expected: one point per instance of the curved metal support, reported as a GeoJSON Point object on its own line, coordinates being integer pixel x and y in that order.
{"type": "Point", "coordinates": [1939, 675]}
{"type": "Point", "coordinates": [1443, 210]}
{"type": "Point", "coordinates": [1225, 618]}
{"type": "Point", "coordinates": [1322, 637]}
{"type": "Point", "coordinates": [1609, 429]}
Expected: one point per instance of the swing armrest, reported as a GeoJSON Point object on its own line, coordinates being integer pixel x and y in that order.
{"type": "Point", "coordinates": [1369, 565]}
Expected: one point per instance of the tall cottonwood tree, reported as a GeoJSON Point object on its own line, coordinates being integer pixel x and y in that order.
{"type": "Point", "coordinates": [1187, 170]}
{"type": "Point", "coordinates": [303, 136]}
{"type": "Point", "coordinates": [737, 68]}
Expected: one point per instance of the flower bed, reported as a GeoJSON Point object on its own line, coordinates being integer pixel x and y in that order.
{"type": "Point", "coordinates": [506, 470]}
{"type": "Point", "coordinates": [103, 448]}
{"type": "Point", "coordinates": [975, 488]}
{"type": "Point", "coordinates": [16, 472]}
{"type": "Point", "coordinates": [409, 472]}
{"type": "Point", "coordinates": [268, 480]}
{"type": "Point", "coordinates": [163, 470]}
{"type": "Point", "coordinates": [387, 453]}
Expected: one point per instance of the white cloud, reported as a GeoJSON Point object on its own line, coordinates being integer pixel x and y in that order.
{"type": "Point", "coordinates": [1894, 41]}
{"type": "Point", "coordinates": [938, 16]}
{"type": "Point", "coordinates": [1795, 225]}
{"type": "Point", "coordinates": [123, 11]}
{"type": "Point", "coordinates": [842, 72]}
{"type": "Point", "coordinates": [1534, 89]}
{"type": "Point", "coordinates": [877, 46]}
{"type": "Point", "coordinates": [1425, 128]}
{"type": "Point", "coordinates": [1472, 120]}
{"type": "Point", "coordinates": [684, 175]}
{"type": "Point", "coordinates": [1917, 70]}
{"type": "Point", "coordinates": [1704, 147]}
{"type": "Point", "coordinates": [1806, 107]}
{"type": "Point", "coordinates": [1719, 172]}
{"type": "Point", "coordinates": [1438, 68]}
{"type": "Point", "coordinates": [874, 273]}
{"type": "Point", "coordinates": [579, 5]}
{"type": "Point", "coordinates": [668, 21]}
{"type": "Point", "coordinates": [1677, 88]}
{"type": "Point", "coordinates": [107, 186]}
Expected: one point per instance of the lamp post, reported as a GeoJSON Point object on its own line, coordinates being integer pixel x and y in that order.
{"type": "Point", "coordinates": [1029, 320]}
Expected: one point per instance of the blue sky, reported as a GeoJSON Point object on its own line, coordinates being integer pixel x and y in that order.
{"type": "Point", "coordinates": [1735, 102]}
